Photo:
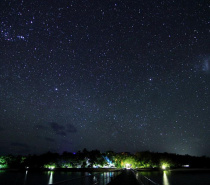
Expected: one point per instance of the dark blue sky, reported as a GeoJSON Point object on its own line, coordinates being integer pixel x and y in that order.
{"type": "Point", "coordinates": [107, 75]}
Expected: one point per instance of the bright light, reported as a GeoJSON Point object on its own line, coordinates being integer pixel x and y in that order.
{"type": "Point", "coordinates": [51, 167]}
{"type": "Point", "coordinates": [163, 167]}
{"type": "Point", "coordinates": [128, 166]}
{"type": "Point", "coordinates": [186, 166]}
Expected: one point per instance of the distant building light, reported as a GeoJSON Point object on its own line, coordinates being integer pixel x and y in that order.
{"type": "Point", "coordinates": [186, 166]}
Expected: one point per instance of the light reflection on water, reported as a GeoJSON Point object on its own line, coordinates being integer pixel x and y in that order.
{"type": "Point", "coordinates": [178, 177]}
{"type": "Point", "coordinates": [85, 179]}
{"type": "Point", "coordinates": [101, 179]}
{"type": "Point", "coordinates": [25, 177]}
{"type": "Point", "coordinates": [51, 177]}
{"type": "Point", "coordinates": [44, 178]}
{"type": "Point", "coordinates": [165, 178]}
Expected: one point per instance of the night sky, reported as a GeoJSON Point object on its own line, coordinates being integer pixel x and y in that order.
{"type": "Point", "coordinates": [104, 74]}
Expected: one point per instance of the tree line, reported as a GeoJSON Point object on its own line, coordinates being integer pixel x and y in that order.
{"type": "Point", "coordinates": [109, 159]}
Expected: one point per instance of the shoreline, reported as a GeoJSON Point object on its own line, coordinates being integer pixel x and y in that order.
{"type": "Point", "coordinates": [65, 169]}
{"type": "Point", "coordinates": [173, 169]}
{"type": "Point", "coordinates": [189, 169]}
{"type": "Point", "coordinates": [104, 169]}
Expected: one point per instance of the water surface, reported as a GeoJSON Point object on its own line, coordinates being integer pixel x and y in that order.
{"type": "Point", "coordinates": [178, 177]}
{"type": "Point", "coordinates": [50, 177]}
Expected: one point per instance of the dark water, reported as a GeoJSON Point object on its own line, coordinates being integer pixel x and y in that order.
{"type": "Point", "coordinates": [45, 178]}
{"type": "Point", "coordinates": [86, 178]}
{"type": "Point", "coordinates": [178, 177]}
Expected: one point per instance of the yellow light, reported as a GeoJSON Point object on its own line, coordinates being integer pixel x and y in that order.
{"type": "Point", "coordinates": [165, 179]}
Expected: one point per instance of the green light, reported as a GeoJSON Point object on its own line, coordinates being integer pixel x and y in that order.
{"type": "Point", "coordinates": [165, 165]}
{"type": "Point", "coordinates": [3, 162]}
{"type": "Point", "coordinates": [50, 167]}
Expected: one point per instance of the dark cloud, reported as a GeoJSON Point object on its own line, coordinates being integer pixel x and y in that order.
{"type": "Point", "coordinates": [56, 126]}
{"type": "Point", "coordinates": [40, 127]}
{"type": "Point", "coordinates": [62, 130]}
{"type": "Point", "coordinates": [58, 129]}
{"type": "Point", "coordinates": [1, 128]}
{"type": "Point", "coordinates": [49, 139]}
{"type": "Point", "coordinates": [71, 128]}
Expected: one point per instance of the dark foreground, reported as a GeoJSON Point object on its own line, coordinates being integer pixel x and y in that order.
{"type": "Point", "coordinates": [127, 177]}
{"type": "Point", "coordinates": [168, 177]}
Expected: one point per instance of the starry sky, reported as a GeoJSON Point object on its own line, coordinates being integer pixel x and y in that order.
{"type": "Point", "coordinates": [118, 75]}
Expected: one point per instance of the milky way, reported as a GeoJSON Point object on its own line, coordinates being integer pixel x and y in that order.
{"type": "Point", "coordinates": [108, 75]}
